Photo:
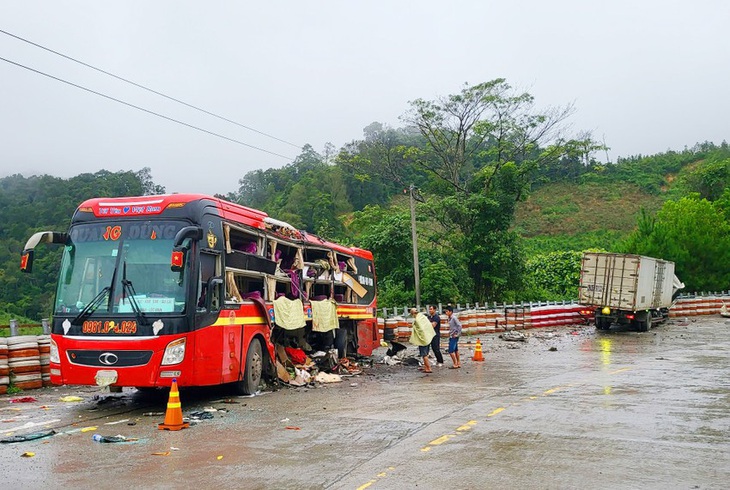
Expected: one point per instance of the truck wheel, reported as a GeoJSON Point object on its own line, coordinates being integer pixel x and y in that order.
{"type": "Point", "coordinates": [253, 371]}
{"type": "Point", "coordinates": [644, 323]}
{"type": "Point", "coordinates": [603, 323]}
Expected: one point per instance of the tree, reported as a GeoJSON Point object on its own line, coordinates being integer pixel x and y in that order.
{"type": "Point", "coordinates": [710, 178]}
{"type": "Point", "coordinates": [148, 185]}
{"type": "Point", "coordinates": [40, 203]}
{"type": "Point", "coordinates": [387, 234]}
{"type": "Point", "coordinates": [484, 147]}
{"type": "Point", "coordinates": [552, 276]}
{"type": "Point", "coordinates": [695, 235]}
{"type": "Point", "coordinates": [376, 167]}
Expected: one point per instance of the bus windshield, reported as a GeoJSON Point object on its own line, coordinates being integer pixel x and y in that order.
{"type": "Point", "coordinates": [120, 268]}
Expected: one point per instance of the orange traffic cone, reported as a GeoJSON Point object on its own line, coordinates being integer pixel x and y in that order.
{"type": "Point", "coordinates": [173, 416]}
{"type": "Point", "coordinates": [478, 352]}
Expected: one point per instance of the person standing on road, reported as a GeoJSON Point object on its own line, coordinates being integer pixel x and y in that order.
{"type": "Point", "coordinates": [454, 333]}
{"type": "Point", "coordinates": [421, 335]}
{"type": "Point", "coordinates": [435, 320]}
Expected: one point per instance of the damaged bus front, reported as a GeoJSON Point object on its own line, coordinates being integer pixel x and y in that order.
{"type": "Point", "coordinates": [119, 304]}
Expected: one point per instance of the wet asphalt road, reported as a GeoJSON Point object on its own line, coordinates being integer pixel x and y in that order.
{"type": "Point", "coordinates": [604, 410]}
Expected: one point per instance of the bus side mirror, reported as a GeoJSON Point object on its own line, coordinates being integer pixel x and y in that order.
{"type": "Point", "coordinates": [193, 232]}
{"type": "Point", "coordinates": [26, 261]}
{"type": "Point", "coordinates": [26, 258]}
{"type": "Point", "coordinates": [177, 260]}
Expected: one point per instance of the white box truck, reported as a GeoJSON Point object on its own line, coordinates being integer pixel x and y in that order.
{"type": "Point", "coordinates": [627, 289]}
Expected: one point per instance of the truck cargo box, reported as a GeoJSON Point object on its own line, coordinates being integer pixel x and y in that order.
{"type": "Point", "coordinates": [626, 281]}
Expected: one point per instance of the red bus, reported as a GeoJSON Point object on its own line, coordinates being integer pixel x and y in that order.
{"type": "Point", "coordinates": [199, 289]}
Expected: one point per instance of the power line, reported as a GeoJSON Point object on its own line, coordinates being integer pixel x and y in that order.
{"type": "Point", "coordinates": [143, 109]}
{"type": "Point", "coordinates": [148, 89]}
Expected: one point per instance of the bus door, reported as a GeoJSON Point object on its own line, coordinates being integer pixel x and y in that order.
{"type": "Point", "coordinates": [209, 293]}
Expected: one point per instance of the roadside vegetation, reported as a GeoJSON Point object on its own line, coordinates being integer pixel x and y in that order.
{"type": "Point", "coordinates": [506, 200]}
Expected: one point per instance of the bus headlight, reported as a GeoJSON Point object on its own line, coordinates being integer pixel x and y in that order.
{"type": "Point", "coordinates": [54, 357]}
{"type": "Point", "coordinates": [174, 352]}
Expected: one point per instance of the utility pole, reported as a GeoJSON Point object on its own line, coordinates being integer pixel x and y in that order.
{"type": "Point", "coordinates": [414, 237]}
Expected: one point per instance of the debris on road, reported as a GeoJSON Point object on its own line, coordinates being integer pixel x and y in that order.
{"type": "Point", "coordinates": [391, 360]}
{"type": "Point", "coordinates": [28, 437]}
{"type": "Point", "coordinates": [25, 399]}
{"type": "Point", "coordinates": [117, 438]}
{"type": "Point", "coordinates": [71, 398]}
{"type": "Point", "coordinates": [323, 377]}
{"type": "Point", "coordinates": [27, 455]}
{"type": "Point", "coordinates": [295, 368]}
{"type": "Point", "coordinates": [204, 415]}
{"type": "Point", "coordinates": [513, 336]}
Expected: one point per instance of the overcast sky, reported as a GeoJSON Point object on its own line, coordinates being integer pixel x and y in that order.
{"type": "Point", "coordinates": [646, 76]}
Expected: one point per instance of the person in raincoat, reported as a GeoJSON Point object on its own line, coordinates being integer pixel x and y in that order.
{"type": "Point", "coordinates": [421, 335]}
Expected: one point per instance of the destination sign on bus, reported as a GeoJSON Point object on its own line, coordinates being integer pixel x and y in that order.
{"type": "Point", "coordinates": [132, 231]}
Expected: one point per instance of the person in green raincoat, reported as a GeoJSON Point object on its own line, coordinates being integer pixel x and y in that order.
{"type": "Point", "coordinates": [421, 335]}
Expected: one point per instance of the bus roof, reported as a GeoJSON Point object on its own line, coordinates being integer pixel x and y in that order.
{"type": "Point", "coordinates": [107, 207]}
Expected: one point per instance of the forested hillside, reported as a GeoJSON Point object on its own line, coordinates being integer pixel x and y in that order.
{"type": "Point", "coordinates": [506, 200]}
{"type": "Point", "coordinates": [43, 203]}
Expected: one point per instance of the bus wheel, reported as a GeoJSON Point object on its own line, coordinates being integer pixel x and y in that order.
{"type": "Point", "coordinates": [341, 341]}
{"type": "Point", "coordinates": [253, 371]}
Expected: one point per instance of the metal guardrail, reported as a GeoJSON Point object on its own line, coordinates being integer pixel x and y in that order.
{"type": "Point", "coordinates": [477, 306]}
{"type": "Point", "coordinates": [404, 310]}
{"type": "Point", "coordinates": [14, 326]}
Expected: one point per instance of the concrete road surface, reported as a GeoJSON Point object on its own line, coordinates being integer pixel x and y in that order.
{"type": "Point", "coordinates": [609, 410]}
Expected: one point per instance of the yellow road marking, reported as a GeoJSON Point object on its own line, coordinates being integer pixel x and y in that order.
{"type": "Point", "coordinates": [466, 426]}
{"type": "Point", "coordinates": [382, 474]}
{"type": "Point", "coordinates": [441, 440]}
{"type": "Point", "coordinates": [363, 487]}
{"type": "Point", "coordinates": [620, 370]}
{"type": "Point", "coordinates": [495, 412]}
{"type": "Point", "coordinates": [425, 449]}
{"type": "Point", "coordinates": [552, 390]}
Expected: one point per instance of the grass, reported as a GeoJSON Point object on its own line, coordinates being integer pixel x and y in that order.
{"type": "Point", "coordinates": [5, 332]}
{"type": "Point", "coordinates": [589, 213]}
{"type": "Point", "coordinates": [5, 318]}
